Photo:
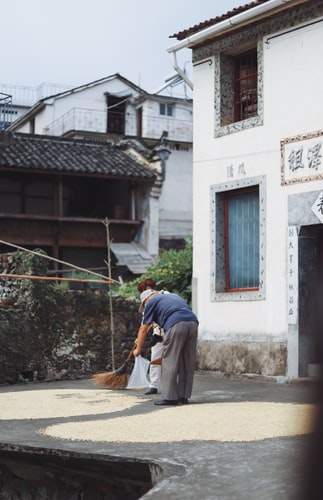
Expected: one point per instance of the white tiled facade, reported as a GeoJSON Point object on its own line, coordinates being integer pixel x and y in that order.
{"type": "Point", "coordinates": [269, 331]}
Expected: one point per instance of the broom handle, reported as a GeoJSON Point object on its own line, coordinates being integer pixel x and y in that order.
{"type": "Point", "coordinates": [131, 352]}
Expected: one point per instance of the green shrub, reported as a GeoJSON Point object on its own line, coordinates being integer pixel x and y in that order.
{"type": "Point", "coordinates": [41, 300]}
{"type": "Point", "coordinates": [38, 294]}
{"type": "Point", "coordinates": [172, 272]}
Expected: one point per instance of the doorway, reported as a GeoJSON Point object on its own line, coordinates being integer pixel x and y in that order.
{"type": "Point", "coordinates": [310, 272]}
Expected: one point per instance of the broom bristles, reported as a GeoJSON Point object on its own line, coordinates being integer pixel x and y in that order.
{"type": "Point", "coordinates": [111, 380]}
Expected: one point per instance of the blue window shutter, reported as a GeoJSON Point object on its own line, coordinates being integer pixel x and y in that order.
{"type": "Point", "coordinates": [243, 240]}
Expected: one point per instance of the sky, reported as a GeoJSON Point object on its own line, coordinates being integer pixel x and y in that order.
{"type": "Point", "coordinates": [74, 42]}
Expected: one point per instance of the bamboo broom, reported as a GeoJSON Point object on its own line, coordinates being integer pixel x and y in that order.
{"type": "Point", "coordinates": [117, 379]}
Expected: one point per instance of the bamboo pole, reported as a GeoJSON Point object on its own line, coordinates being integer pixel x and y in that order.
{"type": "Point", "coordinates": [106, 223]}
{"type": "Point", "coordinates": [52, 278]}
{"type": "Point", "coordinates": [73, 266]}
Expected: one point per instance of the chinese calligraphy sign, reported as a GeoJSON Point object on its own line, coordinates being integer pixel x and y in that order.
{"type": "Point", "coordinates": [292, 279]}
{"type": "Point", "coordinates": [236, 170]}
{"type": "Point", "coordinates": [301, 158]}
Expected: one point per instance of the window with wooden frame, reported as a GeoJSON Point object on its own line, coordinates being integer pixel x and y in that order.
{"type": "Point", "coordinates": [239, 91]}
{"type": "Point", "coordinates": [26, 194]}
{"type": "Point", "coordinates": [245, 76]}
{"type": "Point", "coordinates": [238, 240]}
{"type": "Point", "coordinates": [116, 120]}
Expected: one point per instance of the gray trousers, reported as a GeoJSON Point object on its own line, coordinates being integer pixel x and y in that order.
{"type": "Point", "coordinates": [179, 357]}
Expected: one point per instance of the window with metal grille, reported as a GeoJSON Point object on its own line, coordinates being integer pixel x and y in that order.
{"type": "Point", "coordinates": [245, 85]}
{"type": "Point", "coordinates": [241, 212]}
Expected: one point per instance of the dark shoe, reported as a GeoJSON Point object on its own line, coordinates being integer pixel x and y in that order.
{"type": "Point", "coordinates": [151, 390]}
{"type": "Point", "coordinates": [166, 402]}
{"type": "Point", "coordinates": [183, 401]}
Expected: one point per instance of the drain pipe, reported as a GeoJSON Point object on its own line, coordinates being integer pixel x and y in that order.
{"type": "Point", "coordinates": [218, 28]}
{"type": "Point", "coordinates": [178, 69]}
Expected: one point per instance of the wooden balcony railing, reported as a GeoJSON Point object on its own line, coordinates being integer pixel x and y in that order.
{"type": "Point", "coordinates": [64, 231]}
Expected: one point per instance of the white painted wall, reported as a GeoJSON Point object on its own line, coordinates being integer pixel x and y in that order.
{"type": "Point", "coordinates": [293, 103]}
{"type": "Point", "coordinates": [179, 125]}
{"type": "Point", "coordinates": [88, 105]}
{"type": "Point", "coordinates": [176, 200]}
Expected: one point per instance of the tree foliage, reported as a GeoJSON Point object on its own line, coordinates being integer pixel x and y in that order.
{"type": "Point", "coordinates": [172, 272]}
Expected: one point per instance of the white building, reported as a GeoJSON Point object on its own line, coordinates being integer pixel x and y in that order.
{"type": "Point", "coordinates": [258, 186]}
{"type": "Point", "coordinates": [114, 109]}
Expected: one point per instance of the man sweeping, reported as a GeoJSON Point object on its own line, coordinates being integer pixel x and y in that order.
{"type": "Point", "coordinates": [156, 342]}
{"type": "Point", "coordinates": [180, 325]}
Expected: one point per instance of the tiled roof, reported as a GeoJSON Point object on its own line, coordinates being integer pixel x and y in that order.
{"type": "Point", "coordinates": [210, 22]}
{"type": "Point", "coordinates": [25, 152]}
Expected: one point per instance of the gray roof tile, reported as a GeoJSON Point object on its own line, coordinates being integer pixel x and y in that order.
{"type": "Point", "coordinates": [26, 152]}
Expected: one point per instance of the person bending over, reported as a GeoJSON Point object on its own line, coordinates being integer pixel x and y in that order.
{"type": "Point", "coordinates": [180, 326]}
